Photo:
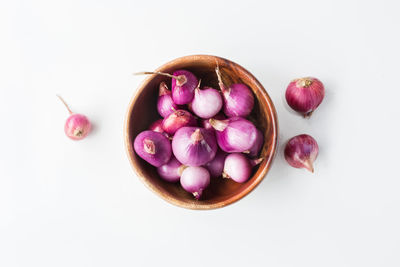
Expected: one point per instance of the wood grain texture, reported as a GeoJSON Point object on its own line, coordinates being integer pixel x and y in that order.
{"type": "Point", "coordinates": [142, 112]}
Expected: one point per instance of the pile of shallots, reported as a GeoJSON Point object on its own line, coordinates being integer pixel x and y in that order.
{"type": "Point", "coordinates": [204, 133]}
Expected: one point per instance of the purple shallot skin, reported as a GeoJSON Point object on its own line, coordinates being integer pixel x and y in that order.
{"type": "Point", "coordinates": [216, 166]}
{"type": "Point", "coordinates": [183, 87]}
{"type": "Point", "coordinates": [194, 180]}
{"type": "Point", "coordinates": [171, 171]}
{"type": "Point", "coordinates": [77, 126]}
{"type": "Point", "coordinates": [238, 98]}
{"type": "Point", "coordinates": [235, 134]}
{"type": "Point", "coordinates": [207, 102]}
{"type": "Point", "coordinates": [304, 95]}
{"type": "Point", "coordinates": [165, 104]}
{"type": "Point", "coordinates": [194, 146]}
{"type": "Point", "coordinates": [178, 119]}
{"type": "Point", "coordinates": [237, 167]}
{"type": "Point", "coordinates": [301, 151]}
{"type": "Point", "coordinates": [255, 150]}
{"type": "Point", "coordinates": [153, 147]}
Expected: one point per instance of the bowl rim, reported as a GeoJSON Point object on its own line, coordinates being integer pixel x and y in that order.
{"type": "Point", "coordinates": [172, 200]}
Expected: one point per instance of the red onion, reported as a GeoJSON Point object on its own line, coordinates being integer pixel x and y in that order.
{"type": "Point", "coordinates": [301, 151]}
{"type": "Point", "coordinates": [157, 127]}
{"type": "Point", "coordinates": [194, 146]}
{"type": "Point", "coordinates": [238, 167]}
{"type": "Point", "coordinates": [153, 147]}
{"type": "Point", "coordinates": [178, 119]}
{"type": "Point", "coordinates": [171, 171]}
{"type": "Point", "coordinates": [183, 84]}
{"type": "Point", "coordinates": [165, 104]}
{"type": "Point", "coordinates": [253, 152]}
{"type": "Point", "coordinates": [238, 98]}
{"type": "Point", "coordinates": [305, 94]}
{"type": "Point", "coordinates": [206, 102]}
{"type": "Point", "coordinates": [234, 134]}
{"type": "Point", "coordinates": [77, 126]}
{"type": "Point", "coordinates": [216, 166]}
{"type": "Point", "coordinates": [194, 180]}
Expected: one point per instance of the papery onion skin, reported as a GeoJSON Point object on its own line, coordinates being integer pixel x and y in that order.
{"type": "Point", "coordinates": [235, 134]}
{"type": "Point", "coordinates": [194, 180]}
{"type": "Point", "coordinates": [304, 95]}
{"type": "Point", "coordinates": [237, 167]}
{"type": "Point", "coordinates": [205, 123]}
{"type": "Point", "coordinates": [77, 126]}
{"type": "Point", "coordinates": [255, 150]}
{"type": "Point", "coordinates": [301, 151]}
{"type": "Point", "coordinates": [194, 146]}
{"type": "Point", "coordinates": [171, 171]}
{"type": "Point", "coordinates": [216, 166]}
{"type": "Point", "coordinates": [178, 119]}
{"type": "Point", "coordinates": [238, 98]}
{"type": "Point", "coordinates": [183, 90]}
{"type": "Point", "coordinates": [207, 102]}
{"type": "Point", "coordinates": [153, 147]}
{"type": "Point", "coordinates": [165, 104]}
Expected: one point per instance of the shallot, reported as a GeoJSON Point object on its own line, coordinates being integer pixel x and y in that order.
{"type": "Point", "coordinates": [178, 119]}
{"type": "Point", "coordinates": [301, 151]}
{"type": "Point", "coordinates": [183, 87]}
{"type": "Point", "coordinates": [234, 134]}
{"type": "Point", "coordinates": [171, 171]}
{"type": "Point", "coordinates": [194, 180]}
{"type": "Point", "coordinates": [253, 152]}
{"type": "Point", "coordinates": [77, 125]}
{"type": "Point", "coordinates": [165, 104]}
{"type": "Point", "coordinates": [304, 95]}
{"type": "Point", "coordinates": [238, 98]}
{"type": "Point", "coordinates": [194, 146]}
{"type": "Point", "coordinates": [207, 102]}
{"type": "Point", "coordinates": [238, 168]}
{"type": "Point", "coordinates": [153, 147]}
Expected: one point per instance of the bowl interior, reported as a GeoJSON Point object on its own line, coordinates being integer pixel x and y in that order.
{"type": "Point", "coordinates": [142, 112]}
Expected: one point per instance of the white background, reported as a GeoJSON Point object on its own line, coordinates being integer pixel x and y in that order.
{"type": "Point", "coordinates": [65, 203]}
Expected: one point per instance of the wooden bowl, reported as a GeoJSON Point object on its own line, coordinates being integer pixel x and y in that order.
{"type": "Point", "coordinates": [142, 112]}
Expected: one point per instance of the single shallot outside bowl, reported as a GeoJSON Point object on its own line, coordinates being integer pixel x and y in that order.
{"type": "Point", "coordinates": [142, 112]}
